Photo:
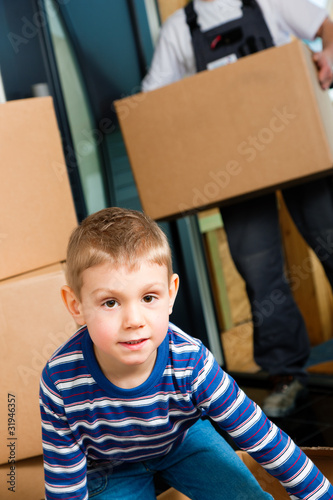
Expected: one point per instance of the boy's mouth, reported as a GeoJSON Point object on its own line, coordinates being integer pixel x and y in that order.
{"type": "Point", "coordinates": [133, 344]}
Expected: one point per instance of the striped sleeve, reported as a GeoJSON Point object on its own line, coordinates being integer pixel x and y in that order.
{"type": "Point", "coordinates": [64, 462]}
{"type": "Point", "coordinates": [219, 397]}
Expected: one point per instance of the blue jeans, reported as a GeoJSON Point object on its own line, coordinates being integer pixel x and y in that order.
{"type": "Point", "coordinates": [203, 466]}
{"type": "Point", "coordinates": [281, 343]}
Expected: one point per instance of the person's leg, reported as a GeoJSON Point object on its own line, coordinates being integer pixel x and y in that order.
{"type": "Point", "coordinates": [122, 482]}
{"type": "Point", "coordinates": [311, 207]}
{"type": "Point", "coordinates": [281, 344]}
{"type": "Point", "coordinates": [205, 466]}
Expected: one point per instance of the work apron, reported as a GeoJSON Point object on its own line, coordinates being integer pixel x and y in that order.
{"type": "Point", "coordinates": [229, 41]}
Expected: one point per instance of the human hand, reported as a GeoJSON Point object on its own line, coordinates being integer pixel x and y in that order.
{"type": "Point", "coordinates": [324, 66]}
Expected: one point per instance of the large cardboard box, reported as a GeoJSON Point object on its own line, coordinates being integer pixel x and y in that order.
{"type": "Point", "coordinates": [36, 205]}
{"type": "Point", "coordinates": [33, 324]}
{"type": "Point", "coordinates": [252, 126]}
{"type": "Point", "coordinates": [322, 457]}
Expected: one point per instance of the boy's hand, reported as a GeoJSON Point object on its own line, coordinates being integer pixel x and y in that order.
{"type": "Point", "coordinates": [324, 66]}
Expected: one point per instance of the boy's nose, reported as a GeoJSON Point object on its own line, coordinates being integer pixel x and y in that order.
{"type": "Point", "coordinates": [133, 317]}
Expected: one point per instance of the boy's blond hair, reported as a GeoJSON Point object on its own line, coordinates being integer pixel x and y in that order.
{"type": "Point", "coordinates": [119, 236]}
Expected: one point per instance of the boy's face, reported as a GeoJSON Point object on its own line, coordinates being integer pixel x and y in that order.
{"type": "Point", "coordinates": [126, 312]}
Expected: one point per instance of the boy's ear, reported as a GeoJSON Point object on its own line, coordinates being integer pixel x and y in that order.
{"type": "Point", "coordinates": [173, 290]}
{"type": "Point", "coordinates": [73, 304]}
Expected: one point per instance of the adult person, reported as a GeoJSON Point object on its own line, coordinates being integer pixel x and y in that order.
{"type": "Point", "coordinates": [197, 38]}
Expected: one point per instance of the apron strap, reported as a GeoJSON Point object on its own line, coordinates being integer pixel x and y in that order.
{"type": "Point", "coordinates": [212, 44]}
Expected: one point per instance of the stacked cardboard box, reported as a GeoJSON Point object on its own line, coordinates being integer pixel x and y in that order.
{"type": "Point", "coordinates": [37, 217]}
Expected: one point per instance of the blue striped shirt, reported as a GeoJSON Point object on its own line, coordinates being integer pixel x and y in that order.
{"type": "Point", "coordinates": [85, 417]}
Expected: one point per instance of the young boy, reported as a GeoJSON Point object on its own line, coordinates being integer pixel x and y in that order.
{"type": "Point", "coordinates": [124, 398]}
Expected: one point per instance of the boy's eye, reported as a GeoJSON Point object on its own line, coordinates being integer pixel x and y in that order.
{"type": "Point", "coordinates": [110, 304]}
{"type": "Point", "coordinates": [148, 299]}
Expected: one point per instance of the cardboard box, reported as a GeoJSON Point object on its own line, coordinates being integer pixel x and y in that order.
{"type": "Point", "coordinates": [36, 205]}
{"type": "Point", "coordinates": [33, 324]}
{"type": "Point", "coordinates": [249, 127]}
{"type": "Point", "coordinates": [322, 457]}
{"type": "Point", "coordinates": [22, 480]}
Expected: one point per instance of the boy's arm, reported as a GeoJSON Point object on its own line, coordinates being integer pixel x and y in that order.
{"type": "Point", "coordinates": [219, 397]}
{"type": "Point", "coordinates": [65, 467]}
{"type": "Point", "coordinates": [324, 59]}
